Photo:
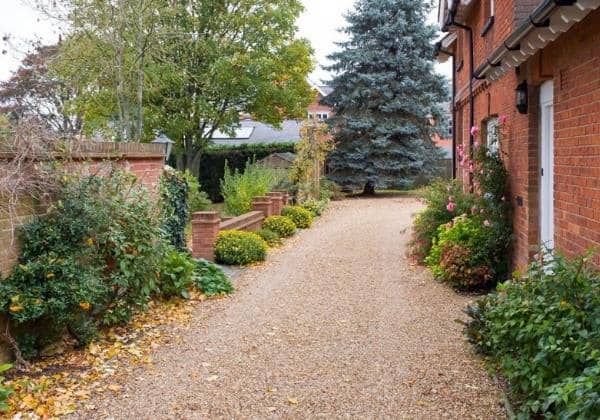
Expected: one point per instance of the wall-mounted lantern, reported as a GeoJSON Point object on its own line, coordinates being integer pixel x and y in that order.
{"type": "Point", "coordinates": [522, 100]}
{"type": "Point", "coordinates": [166, 142]}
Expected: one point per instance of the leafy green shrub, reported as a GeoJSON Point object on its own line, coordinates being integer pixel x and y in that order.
{"type": "Point", "coordinates": [176, 274]}
{"type": "Point", "coordinates": [283, 226]}
{"type": "Point", "coordinates": [543, 333]}
{"type": "Point", "coordinates": [197, 199]}
{"type": "Point", "coordinates": [330, 190]}
{"type": "Point", "coordinates": [239, 188]}
{"type": "Point", "coordinates": [467, 253]}
{"type": "Point", "coordinates": [271, 238]}
{"type": "Point", "coordinates": [212, 162]}
{"type": "Point", "coordinates": [301, 217]}
{"type": "Point", "coordinates": [5, 391]}
{"type": "Point", "coordinates": [436, 214]}
{"type": "Point", "coordinates": [91, 259]}
{"type": "Point", "coordinates": [235, 247]}
{"type": "Point", "coordinates": [174, 191]}
{"type": "Point", "coordinates": [316, 208]}
{"type": "Point", "coordinates": [211, 279]}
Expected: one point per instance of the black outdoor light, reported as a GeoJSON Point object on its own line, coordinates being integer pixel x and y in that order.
{"type": "Point", "coordinates": [166, 142]}
{"type": "Point", "coordinates": [522, 98]}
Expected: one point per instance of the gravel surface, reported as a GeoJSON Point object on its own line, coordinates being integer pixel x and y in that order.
{"type": "Point", "coordinates": [337, 324]}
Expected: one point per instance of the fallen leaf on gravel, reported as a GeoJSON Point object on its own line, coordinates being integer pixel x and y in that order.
{"type": "Point", "coordinates": [292, 401]}
{"type": "Point", "coordinates": [114, 387]}
{"type": "Point", "coordinates": [212, 378]}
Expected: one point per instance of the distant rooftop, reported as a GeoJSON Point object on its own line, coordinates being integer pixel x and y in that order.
{"type": "Point", "coordinates": [254, 132]}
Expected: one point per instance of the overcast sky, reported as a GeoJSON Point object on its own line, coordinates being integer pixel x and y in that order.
{"type": "Point", "coordinates": [319, 24]}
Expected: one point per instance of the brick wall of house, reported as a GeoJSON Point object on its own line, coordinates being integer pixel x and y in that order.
{"type": "Point", "coordinates": [573, 62]}
{"type": "Point", "coordinates": [574, 59]}
{"type": "Point", "coordinates": [143, 160]}
{"type": "Point", "coordinates": [317, 107]}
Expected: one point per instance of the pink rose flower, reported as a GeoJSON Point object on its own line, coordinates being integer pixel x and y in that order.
{"type": "Point", "coordinates": [474, 131]}
{"type": "Point", "coordinates": [471, 167]}
{"type": "Point", "coordinates": [503, 119]}
{"type": "Point", "coordinates": [487, 223]}
{"type": "Point", "coordinates": [474, 210]}
{"type": "Point", "coordinates": [481, 211]}
{"type": "Point", "coordinates": [451, 207]}
{"type": "Point", "coordinates": [476, 145]}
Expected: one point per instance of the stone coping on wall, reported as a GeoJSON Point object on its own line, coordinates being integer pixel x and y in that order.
{"type": "Point", "coordinates": [243, 222]}
{"type": "Point", "coordinates": [80, 150]}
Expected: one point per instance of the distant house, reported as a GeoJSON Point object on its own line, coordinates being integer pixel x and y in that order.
{"type": "Point", "coordinates": [255, 132]}
{"type": "Point", "coordinates": [316, 110]}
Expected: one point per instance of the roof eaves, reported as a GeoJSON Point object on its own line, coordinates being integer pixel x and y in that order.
{"type": "Point", "coordinates": [546, 23]}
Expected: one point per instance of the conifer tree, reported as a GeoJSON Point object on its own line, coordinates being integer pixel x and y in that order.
{"type": "Point", "coordinates": [385, 96]}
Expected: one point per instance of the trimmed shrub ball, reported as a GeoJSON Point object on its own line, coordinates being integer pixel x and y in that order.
{"type": "Point", "coordinates": [301, 217]}
{"type": "Point", "coordinates": [236, 247]}
{"type": "Point", "coordinates": [281, 225]}
{"type": "Point", "coordinates": [270, 237]}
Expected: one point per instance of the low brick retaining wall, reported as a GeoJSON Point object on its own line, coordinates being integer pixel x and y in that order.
{"type": "Point", "coordinates": [207, 225]}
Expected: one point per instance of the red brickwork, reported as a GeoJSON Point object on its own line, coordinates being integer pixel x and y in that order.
{"type": "Point", "coordinates": [573, 62]}
{"type": "Point", "coordinates": [207, 225]}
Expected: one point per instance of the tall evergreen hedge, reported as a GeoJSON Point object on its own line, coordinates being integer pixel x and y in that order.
{"type": "Point", "coordinates": [212, 164]}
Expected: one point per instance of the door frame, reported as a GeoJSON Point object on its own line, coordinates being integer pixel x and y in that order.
{"type": "Point", "coordinates": [547, 227]}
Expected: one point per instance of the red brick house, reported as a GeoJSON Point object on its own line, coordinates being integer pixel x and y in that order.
{"type": "Point", "coordinates": [535, 63]}
{"type": "Point", "coordinates": [317, 110]}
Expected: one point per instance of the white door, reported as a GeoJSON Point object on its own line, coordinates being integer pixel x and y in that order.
{"type": "Point", "coordinates": [547, 165]}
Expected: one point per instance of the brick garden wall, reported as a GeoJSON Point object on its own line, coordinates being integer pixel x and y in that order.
{"type": "Point", "coordinates": [207, 225]}
{"type": "Point", "coordinates": [146, 161]}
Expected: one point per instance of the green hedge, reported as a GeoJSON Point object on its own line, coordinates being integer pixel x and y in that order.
{"type": "Point", "coordinates": [212, 163]}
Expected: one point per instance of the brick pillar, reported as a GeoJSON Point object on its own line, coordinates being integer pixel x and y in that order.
{"type": "Point", "coordinates": [205, 227]}
{"type": "Point", "coordinates": [277, 199]}
{"type": "Point", "coordinates": [263, 204]}
{"type": "Point", "coordinates": [285, 198]}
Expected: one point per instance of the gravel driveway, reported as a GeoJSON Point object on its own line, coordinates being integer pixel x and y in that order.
{"type": "Point", "coordinates": [337, 324]}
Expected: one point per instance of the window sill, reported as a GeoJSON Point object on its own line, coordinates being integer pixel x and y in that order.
{"type": "Point", "coordinates": [488, 25]}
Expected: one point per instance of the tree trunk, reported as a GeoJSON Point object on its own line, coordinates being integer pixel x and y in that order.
{"type": "Point", "coordinates": [369, 188]}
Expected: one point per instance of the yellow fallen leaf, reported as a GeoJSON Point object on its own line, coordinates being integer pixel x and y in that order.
{"type": "Point", "coordinates": [292, 401]}
{"type": "Point", "coordinates": [42, 411]}
{"type": "Point", "coordinates": [114, 387]}
{"type": "Point", "coordinates": [29, 401]}
{"type": "Point", "coordinates": [212, 378]}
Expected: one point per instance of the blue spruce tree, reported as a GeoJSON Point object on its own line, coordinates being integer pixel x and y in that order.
{"type": "Point", "coordinates": [385, 95]}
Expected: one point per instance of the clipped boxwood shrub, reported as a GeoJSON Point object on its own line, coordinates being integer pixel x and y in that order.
{"type": "Point", "coordinates": [543, 333]}
{"type": "Point", "coordinates": [281, 225]}
{"type": "Point", "coordinates": [270, 237]}
{"type": "Point", "coordinates": [236, 247]}
{"type": "Point", "coordinates": [301, 217]}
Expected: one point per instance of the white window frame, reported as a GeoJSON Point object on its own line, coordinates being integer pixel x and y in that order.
{"type": "Point", "coordinates": [492, 135]}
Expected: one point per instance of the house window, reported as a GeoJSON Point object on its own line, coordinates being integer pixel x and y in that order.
{"type": "Point", "coordinates": [492, 137]}
{"type": "Point", "coordinates": [311, 116]}
{"type": "Point", "coordinates": [322, 115]}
